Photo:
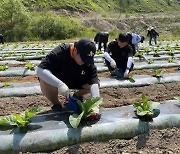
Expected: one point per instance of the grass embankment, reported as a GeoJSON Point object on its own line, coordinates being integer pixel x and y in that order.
{"type": "Point", "coordinates": [62, 19]}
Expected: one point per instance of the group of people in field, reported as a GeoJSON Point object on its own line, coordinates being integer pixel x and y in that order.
{"type": "Point", "coordinates": [119, 53]}
{"type": "Point", "coordinates": [71, 66]}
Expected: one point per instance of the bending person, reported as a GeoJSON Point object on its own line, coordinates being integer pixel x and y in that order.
{"type": "Point", "coordinates": [119, 57]}
{"type": "Point", "coordinates": [134, 39]}
{"type": "Point", "coordinates": [101, 37]}
{"type": "Point", "coordinates": [69, 66]}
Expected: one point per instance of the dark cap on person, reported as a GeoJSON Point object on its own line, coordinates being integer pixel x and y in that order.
{"type": "Point", "coordinates": [87, 49]}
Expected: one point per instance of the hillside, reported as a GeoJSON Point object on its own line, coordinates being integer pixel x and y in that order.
{"type": "Point", "coordinates": [104, 6]}
{"type": "Point", "coordinates": [27, 20]}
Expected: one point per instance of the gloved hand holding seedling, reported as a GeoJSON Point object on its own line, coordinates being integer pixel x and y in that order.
{"type": "Point", "coordinates": [88, 109]}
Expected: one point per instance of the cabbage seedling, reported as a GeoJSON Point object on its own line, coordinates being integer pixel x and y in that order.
{"type": "Point", "coordinates": [5, 84]}
{"type": "Point", "coordinates": [85, 110]}
{"type": "Point", "coordinates": [150, 61]}
{"type": "Point", "coordinates": [30, 66]}
{"type": "Point", "coordinates": [145, 107]}
{"type": "Point", "coordinates": [21, 58]}
{"type": "Point", "coordinates": [21, 120]}
{"type": "Point", "coordinates": [3, 67]}
{"type": "Point", "coordinates": [28, 52]}
{"type": "Point", "coordinates": [140, 55]}
{"type": "Point", "coordinates": [146, 49]}
{"type": "Point", "coordinates": [156, 54]}
{"type": "Point", "coordinates": [171, 53]}
{"type": "Point", "coordinates": [171, 60]}
{"type": "Point", "coordinates": [157, 73]}
{"type": "Point", "coordinates": [131, 79]}
{"type": "Point", "coordinates": [167, 48]}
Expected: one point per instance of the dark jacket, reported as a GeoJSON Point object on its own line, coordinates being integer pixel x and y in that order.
{"type": "Point", "coordinates": [1, 39]}
{"type": "Point", "coordinates": [101, 37]}
{"type": "Point", "coordinates": [152, 33]}
{"type": "Point", "coordinates": [120, 55]}
{"type": "Point", "coordinates": [64, 67]}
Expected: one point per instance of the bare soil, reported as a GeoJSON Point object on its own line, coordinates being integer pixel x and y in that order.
{"type": "Point", "coordinates": [165, 141]}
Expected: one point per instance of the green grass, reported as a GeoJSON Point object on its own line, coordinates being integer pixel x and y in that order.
{"type": "Point", "coordinates": [126, 6]}
{"type": "Point", "coordinates": [62, 19]}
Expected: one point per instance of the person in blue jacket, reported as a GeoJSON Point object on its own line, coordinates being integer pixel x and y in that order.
{"type": "Point", "coordinates": [134, 39]}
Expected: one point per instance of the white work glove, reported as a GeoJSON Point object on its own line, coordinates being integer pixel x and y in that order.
{"type": "Point", "coordinates": [63, 89]}
{"type": "Point", "coordinates": [126, 73]}
{"type": "Point", "coordinates": [113, 63]}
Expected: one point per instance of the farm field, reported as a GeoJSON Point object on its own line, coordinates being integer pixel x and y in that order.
{"type": "Point", "coordinates": [158, 89]}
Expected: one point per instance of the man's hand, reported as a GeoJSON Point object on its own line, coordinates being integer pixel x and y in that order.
{"type": "Point", "coordinates": [63, 89]}
{"type": "Point", "coordinates": [95, 115]}
{"type": "Point", "coordinates": [113, 63]}
{"type": "Point", "coordinates": [126, 73]}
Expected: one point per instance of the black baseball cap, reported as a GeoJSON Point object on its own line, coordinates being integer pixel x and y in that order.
{"type": "Point", "coordinates": [87, 49]}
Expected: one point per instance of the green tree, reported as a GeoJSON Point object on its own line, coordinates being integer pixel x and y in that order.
{"type": "Point", "coordinates": [14, 19]}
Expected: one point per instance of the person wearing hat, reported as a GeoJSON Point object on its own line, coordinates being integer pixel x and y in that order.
{"type": "Point", "coordinates": [152, 35]}
{"type": "Point", "coordinates": [119, 57]}
{"type": "Point", "coordinates": [101, 37]}
{"type": "Point", "coordinates": [1, 39]}
{"type": "Point", "coordinates": [69, 66]}
{"type": "Point", "coordinates": [134, 39]}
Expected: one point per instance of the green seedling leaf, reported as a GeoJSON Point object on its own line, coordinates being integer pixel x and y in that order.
{"type": "Point", "coordinates": [171, 60]}
{"type": "Point", "coordinates": [145, 107]}
{"type": "Point", "coordinates": [28, 52]}
{"type": "Point", "coordinates": [139, 54]}
{"type": "Point", "coordinates": [23, 119]}
{"type": "Point", "coordinates": [167, 48]}
{"type": "Point", "coordinates": [21, 58]}
{"type": "Point", "coordinates": [21, 122]}
{"type": "Point", "coordinates": [171, 53]}
{"type": "Point", "coordinates": [150, 61]}
{"type": "Point", "coordinates": [86, 109]}
{"type": "Point", "coordinates": [5, 84]}
{"type": "Point", "coordinates": [177, 98]}
{"type": "Point", "coordinates": [31, 112]}
{"type": "Point", "coordinates": [30, 66]}
{"type": "Point", "coordinates": [3, 67]}
{"type": "Point", "coordinates": [146, 49]}
{"type": "Point", "coordinates": [131, 79]}
{"type": "Point", "coordinates": [90, 103]}
{"type": "Point", "coordinates": [157, 73]}
{"type": "Point", "coordinates": [75, 119]}
{"type": "Point", "coordinates": [143, 113]}
{"type": "Point", "coordinates": [156, 54]}
{"type": "Point", "coordinates": [11, 119]}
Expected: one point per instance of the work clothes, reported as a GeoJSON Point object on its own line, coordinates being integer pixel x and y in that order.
{"type": "Point", "coordinates": [1, 39]}
{"type": "Point", "coordinates": [101, 37]}
{"type": "Point", "coordinates": [120, 55]}
{"type": "Point", "coordinates": [64, 67]}
{"type": "Point", "coordinates": [152, 35]}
